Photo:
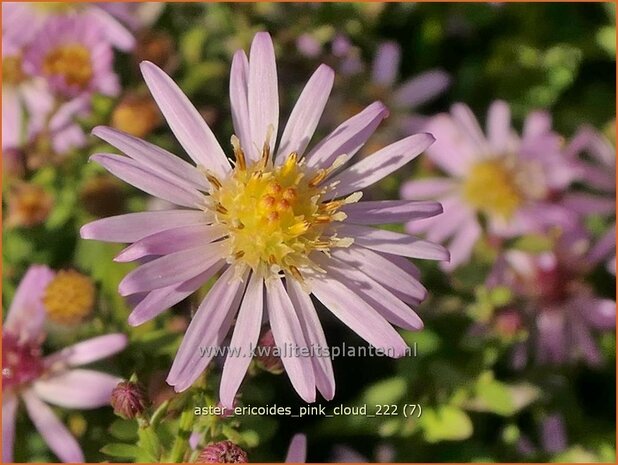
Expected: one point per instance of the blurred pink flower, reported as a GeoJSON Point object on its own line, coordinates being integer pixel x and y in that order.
{"type": "Point", "coordinates": [35, 378]}
{"type": "Point", "coordinates": [562, 309]}
{"type": "Point", "coordinates": [297, 450]}
{"type": "Point", "coordinates": [595, 158]}
{"type": "Point", "coordinates": [280, 227]}
{"type": "Point", "coordinates": [70, 53]}
{"type": "Point", "coordinates": [508, 180]}
{"type": "Point", "coordinates": [23, 20]}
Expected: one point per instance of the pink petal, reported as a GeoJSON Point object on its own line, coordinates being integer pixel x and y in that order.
{"type": "Point", "coordinates": [239, 77]}
{"type": "Point", "coordinates": [463, 243]}
{"type": "Point", "coordinates": [152, 156]}
{"type": "Point", "coordinates": [159, 300]}
{"type": "Point", "coordinates": [170, 269]}
{"type": "Point", "coordinates": [135, 226]}
{"type": "Point", "coordinates": [77, 389]}
{"type": "Point", "coordinates": [348, 137]}
{"type": "Point", "coordinates": [389, 211]}
{"type": "Point", "coordinates": [499, 126]}
{"type": "Point", "coordinates": [537, 124]}
{"type": "Point", "coordinates": [55, 434]}
{"type": "Point", "coordinates": [379, 165]}
{"type": "Point", "coordinates": [385, 65]}
{"type": "Point", "coordinates": [399, 281]}
{"type": "Point", "coordinates": [9, 413]}
{"type": "Point", "coordinates": [314, 335]}
{"type": "Point", "coordinates": [355, 313]}
{"type": "Point", "coordinates": [207, 329]}
{"type": "Point", "coordinates": [306, 113]}
{"type": "Point", "coordinates": [171, 240]}
{"type": "Point", "coordinates": [26, 314]}
{"type": "Point", "coordinates": [118, 35]}
{"type": "Point", "coordinates": [465, 119]}
{"type": "Point", "coordinates": [427, 188]}
{"type": "Point", "coordinates": [297, 451]}
{"type": "Point", "coordinates": [421, 89]}
{"type": "Point", "coordinates": [89, 351]}
{"type": "Point", "coordinates": [245, 337]}
{"type": "Point", "coordinates": [392, 242]}
{"type": "Point", "coordinates": [263, 94]}
{"type": "Point", "coordinates": [149, 181]}
{"type": "Point", "coordinates": [288, 333]}
{"type": "Point", "coordinates": [377, 296]}
{"type": "Point", "coordinates": [185, 121]}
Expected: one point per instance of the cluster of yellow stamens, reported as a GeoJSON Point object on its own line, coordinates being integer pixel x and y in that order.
{"type": "Point", "coordinates": [275, 214]}
{"type": "Point", "coordinates": [69, 298]}
{"type": "Point", "coordinates": [72, 62]}
{"type": "Point", "coordinates": [492, 187]}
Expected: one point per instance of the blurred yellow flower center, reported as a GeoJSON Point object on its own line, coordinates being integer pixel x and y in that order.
{"type": "Point", "coordinates": [69, 298]}
{"type": "Point", "coordinates": [492, 188]}
{"type": "Point", "coordinates": [12, 72]}
{"type": "Point", "coordinates": [274, 215]}
{"type": "Point", "coordinates": [54, 7]}
{"type": "Point", "coordinates": [72, 62]}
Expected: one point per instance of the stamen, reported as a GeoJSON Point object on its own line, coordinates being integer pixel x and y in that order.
{"type": "Point", "coordinates": [317, 178]}
{"type": "Point", "coordinates": [241, 162]}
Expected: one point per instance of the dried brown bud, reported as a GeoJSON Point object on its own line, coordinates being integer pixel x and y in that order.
{"type": "Point", "coordinates": [136, 115]}
{"type": "Point", "coordinates": [29, 205]}
{"type": "Point", "coordinates": [103, 196]}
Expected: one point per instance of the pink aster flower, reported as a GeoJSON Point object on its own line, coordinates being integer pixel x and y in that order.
{"type": "Point", "coordinates": [297, 450]}
{"type": "Point", "coordinates": [70, 54]}
{"type": "Point", "coordinates": [560, 307]}
{"type": "Point", "coordinates": [22, 20]}
{"type": "Point", "coordinates": [36, 379]}
{"type": "Point", "coordinates": [509, 181]}
{"type": "Point", "coordinates": [281, 223]}
{"type": "Point", "coordinates": [596, 161]}
{"type": "Point", "coordinates": [22, 94]}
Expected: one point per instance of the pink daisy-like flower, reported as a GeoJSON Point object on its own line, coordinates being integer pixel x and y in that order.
{"type": "Point", "coordinates": [561, 311]}
{"type": "Point", "coordinates": [70, 54]}
{"type": "Point", "coordinates": [596, 161]}
{"type": "Point", "coordinates": [21, 94]}
{"type": "Point", "coordinates": [36, 379]}
{"type": "Point", "coordinates": [509, 181]}
{"type": "Point", "coordinates": [22, 20]}
{"type": "Point", "coordinates": [281, 223]}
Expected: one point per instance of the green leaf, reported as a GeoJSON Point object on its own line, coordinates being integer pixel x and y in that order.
{"type": "Point", "coordinates": [445, 423]}
{"type": "Point", "coordinates": [387, 391]}
{"type": "Point", "coordinates": [121, 450]}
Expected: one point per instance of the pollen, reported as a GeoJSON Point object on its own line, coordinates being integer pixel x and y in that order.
{"type": "Point", "coordinates": [280, 208]}
{"type": "Point", "coordinates": [69, 298]}
{"type": "Point", "coordinates": [72, 62]}
{"type": "Point", "coordinates": [492, 188]}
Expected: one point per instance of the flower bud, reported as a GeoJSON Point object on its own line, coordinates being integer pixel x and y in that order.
{"type": "Point", "coordinates": [129, 399]}
{"type": "Point", "coordinates": [103, 196]}
{"type": "Point", "coordinates": [265, 354]}
{"type": "Point", "coordinates": [155, 46]}
{"type": "Point", "coordinates": [222, 452]}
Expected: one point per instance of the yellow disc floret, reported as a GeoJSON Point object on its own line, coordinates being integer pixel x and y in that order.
{"type": "Point", "coordinates": [492, 188]}
{"type": "Point", "coordinates": [69, 298]}
{"type": "Point", "coordinates": [72, 62]}
{"type": "Point", "coordinates": [275, 215]}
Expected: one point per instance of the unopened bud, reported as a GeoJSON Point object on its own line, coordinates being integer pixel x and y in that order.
{"type": "Point", "coordinates": [155, 46]}
{"type": "Point", "coordinates": [222, 452]}
{"type": "Point", "coordinates": [129, 399]}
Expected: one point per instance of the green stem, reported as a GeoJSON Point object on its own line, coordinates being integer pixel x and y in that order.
{"type": "Point", "coordinates": [182, 439]}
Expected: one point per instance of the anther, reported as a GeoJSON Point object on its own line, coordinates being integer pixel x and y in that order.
{"type": "Point", "coordinates": [238, 153]}
{"type": "Point", "coordinates": [296, 274]}
{"type": "Point", "coordinates": [221, 209]}
{"type": "Point", "coordinates": [317, 178]}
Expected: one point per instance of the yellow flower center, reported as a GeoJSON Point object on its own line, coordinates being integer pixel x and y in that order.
{"type": "Point", "coordinates": [72, 62]}
{"type": "Point", "coordinates": [492, 188]}
{"type": "Point", "coordinates": [69, 298]}
{"type": "Point", "coordinates": [12, 71]}
{"type": "Point", "coordinates": [274, 215]}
